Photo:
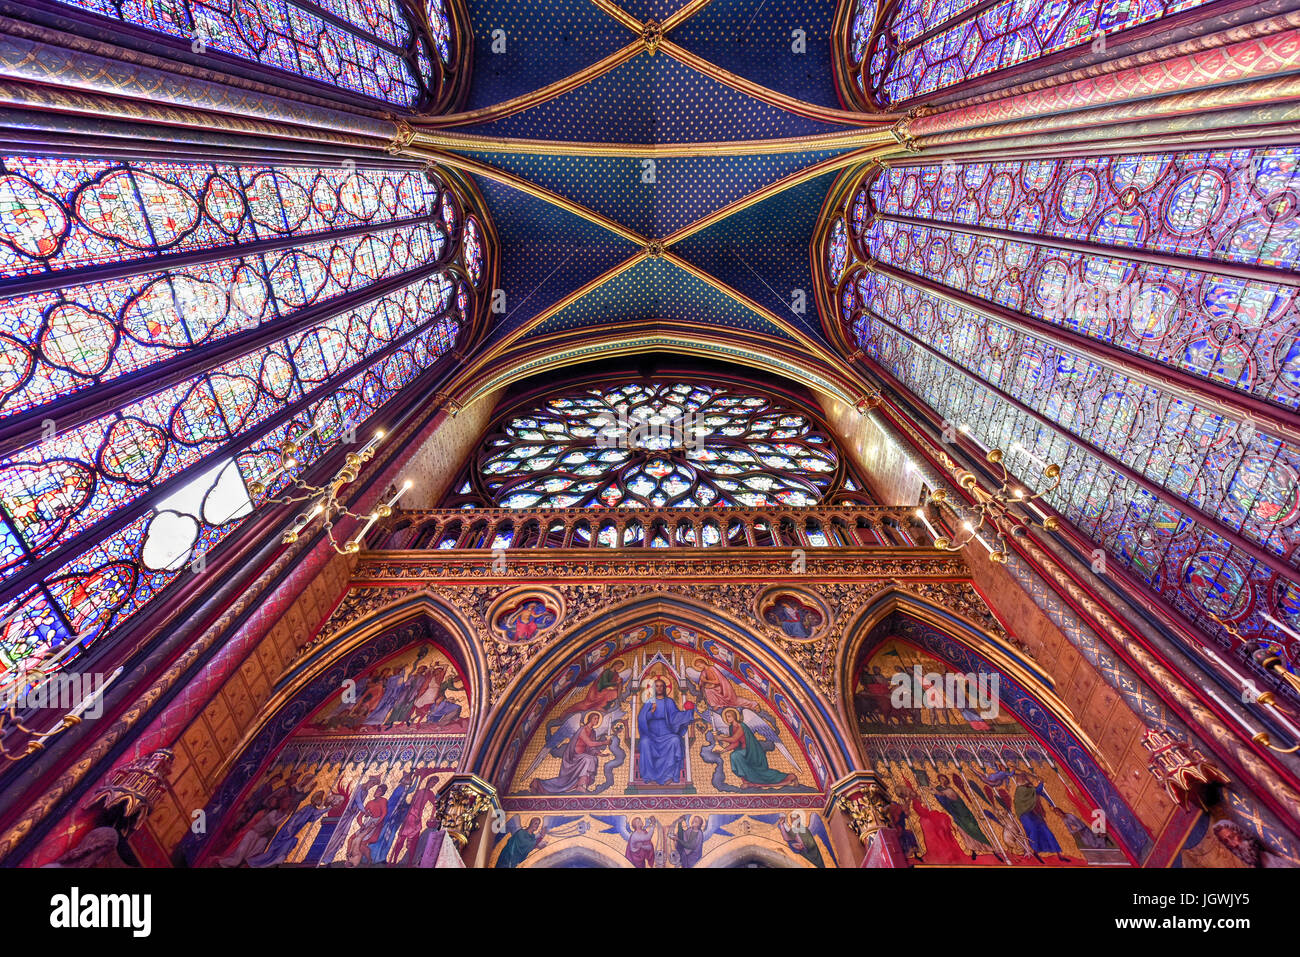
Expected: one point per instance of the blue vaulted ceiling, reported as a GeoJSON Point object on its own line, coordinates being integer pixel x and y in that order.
{"type": "Point", "coordinates": [546, 252]}
{"type": "Point", "coordinates": [764, 252]}
{"type": "Point", "coordinates": [684, 190]}
{"type": "Point", "coordinates": [659, 290]}
{"type": "Point", "coordinates": [653, 99]}
{"type": "Point", "coordinates": [543, 42]}
{"type": "Point", "coordinates": [651, 9]}
{"type": "Point", "coordinates": [718, 147]}
{"type": "Point", "coordinates": [761, 40]}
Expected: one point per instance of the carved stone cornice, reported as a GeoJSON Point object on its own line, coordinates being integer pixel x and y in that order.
{"type": "Point", "coordinates": [901, 131]}
{"type": "Point", "coordinates": [768, 564]}
{"type": "Point", "coordinates": [475, 590]}
{"type": "Point", "coordinates": [866, 810]}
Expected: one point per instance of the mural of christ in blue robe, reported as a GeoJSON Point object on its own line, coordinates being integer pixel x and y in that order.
{"type": "Point", "coordinates": [659, 727]}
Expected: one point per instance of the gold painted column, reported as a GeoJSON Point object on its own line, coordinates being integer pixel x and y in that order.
{"type": "Point", "coordinates": [861, 816]}
{"type": "Point", "coordinates": [466, 808]}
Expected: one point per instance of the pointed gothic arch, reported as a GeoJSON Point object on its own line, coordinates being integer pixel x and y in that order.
{"type": "Point", "coordinates": [630, 799]}
{"type": "Point", "coordinates": [323, 733]}
{"type": "Point", "coordinates": [1023, 699]}
{"type": "Point", "coordinates": [825, 731]}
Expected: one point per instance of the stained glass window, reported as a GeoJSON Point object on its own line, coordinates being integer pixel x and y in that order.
{"type": "Point", "coordinates": [924, 47]}
{"type": "Point", "coordinates": [353, 280]}
{"type": "Point", "coordinates": [1230, 206]}
{"type": "Point", "coordinates": [376, 49]}
{"type": "Point", "coordinates": [1180, 557]}
{"type": "Point", "coordinates": [472, 241]}
{"type": "Point", "coordinates": [58, 341]}
{"type": "Point", "coordinates": [60, 486]}
{"type": "Point", "coordinates": [1179, 259]}
{"type": "Point", "coordinates": [864, 18]}
{"type": "Point", "coordinates": [657, 445]}
{"type": "Point", "coordinates": [61, 213]}
{"type": "Point", "coordinates": [837, 251]}
{"type": "Point", "coordinates": [440, 24]}
{"type": "Point", "coordinates": [1241, 474]}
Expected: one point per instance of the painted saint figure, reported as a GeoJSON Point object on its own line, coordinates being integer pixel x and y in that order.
{"type": "Point", "coordinates": [601, 692]}
{"type": "Point", "coordinates": [718, 690]}
{"type": "Point", "coordinates": [1028, 806]}
{"type": "Point", "coordinates": [793, 617]}
{"type": "Point", "coordinates": [748, 758]}
{"type": "Point", "coordinates": [333, 831]}
{"type": "Point", "coordinates": [413, 824]}
{"type": "Point", "coordinates": [580, 761]}
{"type": "Point", "coordinates": [287, 837]}
{"type": "Point", "coordinates": [527, 620]}
{"type": "Point", "coordinates": [800, 839]}
{"type": "Point", "coordinates": [372, 821]}
{"type": "Point", "coordinates": [397, 805]}
{"type": "Point", "coordinates": [258, 835]}
{"type": "Point", "coordinates": [641, 843]}
{"type": "Point", "coordinates": [952, 801]}
{"type": "Point", "coordinates": [872, 699]}
{"type": "Point", "coordinates": [400, 713]}
{"type": "Point", "coordinates": [689, 840]}
{"type": "Point", "coordinates": [432, 705]}
{"type": "Point", "coordinates": [660, 724]}
{"type": "Point", "coordinates": [521, 843]}
{"type": "Point", "coordinates": [394, 684]}
{"type": "Point", "coordinates": [1085, 838]}
{"type": "Point", "coordinates": [941, 846]}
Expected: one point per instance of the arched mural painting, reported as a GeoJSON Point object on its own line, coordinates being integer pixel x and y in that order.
{"type": "Point", "coordinates": [970, 783]}
{"type": "Point", "coordinates": [354, 782]}
{"type": "Point", "coordinates": [660, 746]}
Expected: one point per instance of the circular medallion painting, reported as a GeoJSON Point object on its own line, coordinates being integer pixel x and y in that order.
{"type": "Point", "coordinates": [522, 617]}
{"type": "Point", "coordinates": [796, 614]}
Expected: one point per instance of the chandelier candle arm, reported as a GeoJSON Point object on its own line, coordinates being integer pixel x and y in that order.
{"type": "Point", "coordinates": [36, 739]}
{"type": "Point", "coordinates": [1250, 732]}
{"type": "Point", "coordinates": [396, 495]}
{"type": "Point", "coordinates": [1268, 700]}
{"type": "Point", "coordinates": [47, 668]}
{"type": "Point", "coordinates": [1024, 450]}
{"type": "Point", "coordinates": [312, 431]}
{"type": "Point", "coordinates": [301, 522]}
{"type": "Point", "coordinates": [978, 537]}
{"type": "Point", "coordinates": [967, 431]}
{"type": "Point", "coordinates": [934, 534]}
{"type": "Point", "coordinates": [1246, 684]}
{"type": "Point", "coordinates": [372, 445]}
{"type": "Point", "coordinates": [995, 508]}
{"type": "Point", "coordinates": [354, 545]}
{"type": "Point", "coordinates": [1038, 512]}
{"type": "Point", "coordinates": [382, 511]}
{"type": "Point", "coordinates": [84, 704]}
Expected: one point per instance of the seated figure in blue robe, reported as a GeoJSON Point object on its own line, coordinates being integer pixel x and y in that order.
{"type": "Point", "coordinates": [659, 727]}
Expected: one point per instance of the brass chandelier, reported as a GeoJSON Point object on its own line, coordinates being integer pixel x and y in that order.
{"type": "Point", "coordinates": [1008, 511]}
{"type": "Point", "coordinates": [325, 502]}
